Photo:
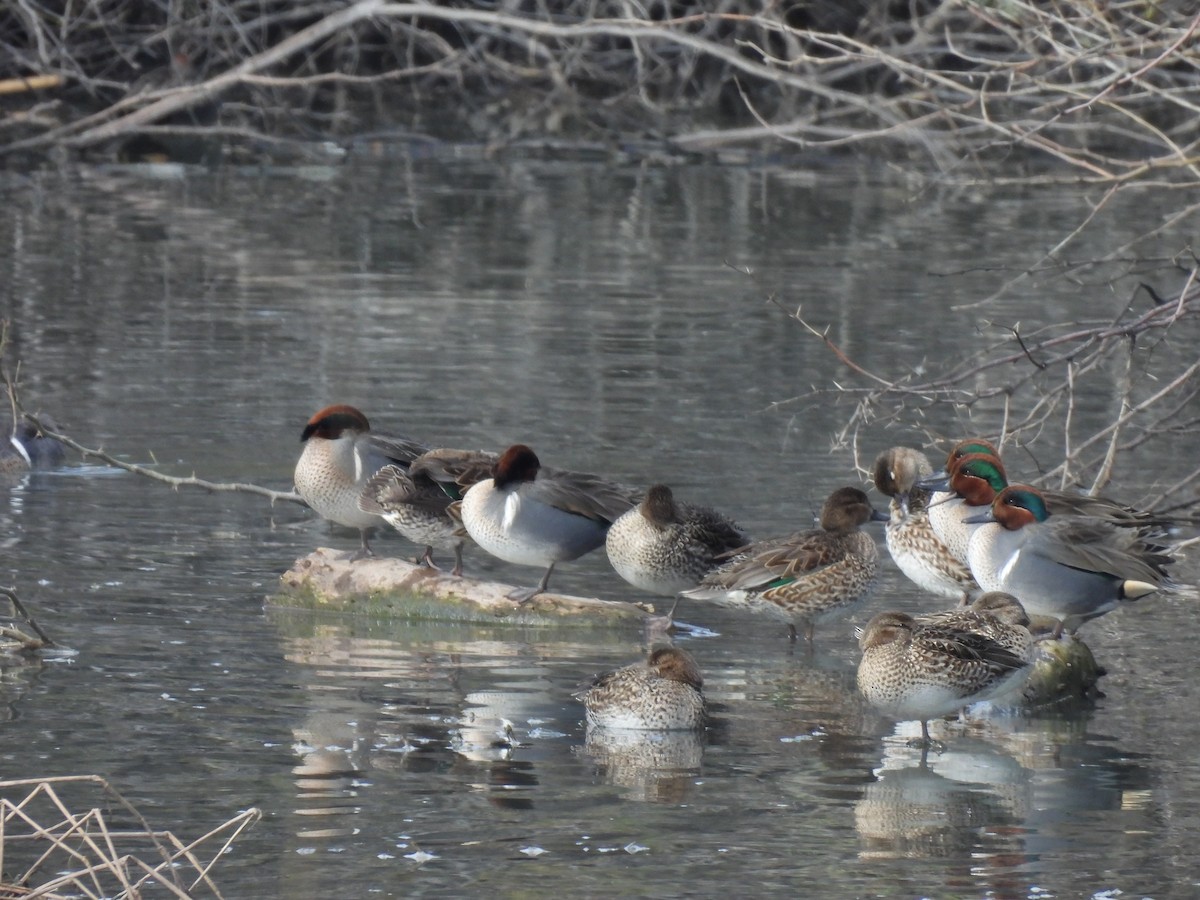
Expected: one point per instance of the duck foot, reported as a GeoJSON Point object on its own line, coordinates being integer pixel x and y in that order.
{"type": "Point", "coordinates": [925, 743]}
{"type": "Point", "coordinates": [524, 595]}
{"type": "Point", "coordinates": [364, 551]}
{"type": "Point", "coordinates": [426, 560]}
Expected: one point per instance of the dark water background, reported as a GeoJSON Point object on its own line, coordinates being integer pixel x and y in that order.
{"type": "Point", "coordinates": [195, 320]}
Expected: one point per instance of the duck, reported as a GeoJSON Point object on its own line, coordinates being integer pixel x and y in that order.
{"type": "Point", "coordinates": [971, 485]}
{"type": "Point", "coordinates": [664, 692]}
{"type": "Point", "coordinates": [1071, 567]}
{"type": "Point", "coordinates": [417, 501]}
{"type": "Point", "coordinates": [974, 475]}
{"type": "Point", "coordinates": [664, 546]}
{"type": "Point", "coordinates": [939, 485]}
{"type": "Point", "coordinates": [804, 577]}
{"type": "Point", "coordinates": [994, 614]}
{"type": "Point", "coordinates": [340, 456]}
{"type": "Point", "coordinates": [928, 667]}
{"type": "Point", "coordinates": [531, 516]}
{"type": "Point", "coordinates": [29, 447]}
{"type": "Point", "coordinates": [913, 544]}
{"type": "Point", "coordinates": [43, 451]}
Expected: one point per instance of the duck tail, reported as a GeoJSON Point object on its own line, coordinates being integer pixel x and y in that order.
{"type": "Point", "coordinates": [1135, 590]}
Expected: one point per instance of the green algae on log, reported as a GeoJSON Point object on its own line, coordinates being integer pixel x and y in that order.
{"type": "Point", "coordinates": [1064, 672]}
{"type": "Point", "coordinates": [327, 580]}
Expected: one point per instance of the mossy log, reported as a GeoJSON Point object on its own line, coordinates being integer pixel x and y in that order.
{"type": "Point", "coordinates": [327, 580]}
{"type": "Point", "coordinates": [1064, 672]}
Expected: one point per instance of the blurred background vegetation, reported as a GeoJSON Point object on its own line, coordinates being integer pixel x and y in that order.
{"type": "Point", "coordinates": [1106, 91]}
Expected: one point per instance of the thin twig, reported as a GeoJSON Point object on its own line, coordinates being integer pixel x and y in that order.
{"type": "Point", "coordinates": [11, 594]}
{"type": "Point", "coordinates": [174, 481]}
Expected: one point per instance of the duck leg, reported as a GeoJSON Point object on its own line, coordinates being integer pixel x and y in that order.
{"type": "Point", "coordinates": [427, 559]}
{"type": "Point", "coordinates": [925, 742]}
{"type": "Point", "coordinates": [365, 550]}
{"type": "Point", "coordinates": [525, 595]}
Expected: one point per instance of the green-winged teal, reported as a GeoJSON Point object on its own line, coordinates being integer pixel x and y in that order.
{"type": "Point", "coordinates": [805, 577]}
{"type": "Point", "coordinates": [661, 693]}
{"type": "Point", "coordinates": [665, 546]}
{"type": "Point", "coordinates": [531, 516]}
{"type": "Point", "coordinates": [915, 548]}
{"type": "Point", "coordinates": [1070, 567]}
{"type": "Point", "coordinates": [931, 666]}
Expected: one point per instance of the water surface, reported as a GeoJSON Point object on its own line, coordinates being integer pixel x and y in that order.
{"type": "Point", "coordinates": [617, 320]}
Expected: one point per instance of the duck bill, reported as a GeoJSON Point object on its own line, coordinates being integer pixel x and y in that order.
{"type": "Point", "coordinates": [878, 516]}
{"type": "Point", "coordinates": [980, 518]}
{"type": "Point", "coordinates": [21, 450]}
{"type": "Point", "coordinates": [939, 482]}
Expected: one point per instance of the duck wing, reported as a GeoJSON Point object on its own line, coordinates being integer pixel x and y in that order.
{"type": "Point", "coordinates": [777, 560]}
{"type": "Point", "coordinates": [398, 449]}
{"type": "Point", "coordinates": [1093, 545]}
{"type": "Point", "coordinates": [582, 494]}
{"type": "Point", "coordinates": [454, 471]}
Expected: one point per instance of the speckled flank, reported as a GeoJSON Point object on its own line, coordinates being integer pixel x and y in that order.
{"type": "Point", "coordinates": [417, 508]}
{"type": "Point", "coordinates": [917, 551]}
{"type": "Point", "coordinates": [665, 546]}
{"type": "Point", "coordinates": [662, 693]}
{"type": "Point", "coordinates": [339, 457]}
{"type": "Point", "coordinates": [926, 667]}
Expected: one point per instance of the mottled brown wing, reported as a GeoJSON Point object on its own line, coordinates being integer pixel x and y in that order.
{"type": "Point", "coordinates": [971, 648]}
{"type": "Point", "coordinates": [713, 529]}
{"type": "Point", "coordinates": [781, 558]}
{"type": "Point", "coordinates": [454, 470]}
{"type": "Point", "coordinates": [391, 486]}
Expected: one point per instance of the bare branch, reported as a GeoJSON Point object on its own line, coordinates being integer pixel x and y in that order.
{"type": "Point", "coordinates": [174, 481]}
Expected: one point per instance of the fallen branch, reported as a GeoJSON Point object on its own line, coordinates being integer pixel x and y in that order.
{"type": "Point", "coordinates": [173, 480]}
{"type": "Point", "coordinates": [32, 83]}
{"type": "Point", "coordinates": [26, 643]}
{"type": "Point", "coordinates": [18, 411]}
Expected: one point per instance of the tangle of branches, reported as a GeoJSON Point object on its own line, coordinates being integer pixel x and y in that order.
{"type": "Point", "coordinates": [1144, 362]}
{"type": "Point", "coordinates": [1109, 90]}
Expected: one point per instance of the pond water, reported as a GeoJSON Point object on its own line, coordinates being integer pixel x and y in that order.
{"type": "Point", "coordinates": [617, 320]}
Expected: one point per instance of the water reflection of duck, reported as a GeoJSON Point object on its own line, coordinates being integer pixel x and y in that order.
{"type": "Point", "coordinates": [961, 804]}
{"type": "Point", "coordinates": [658, 766]}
